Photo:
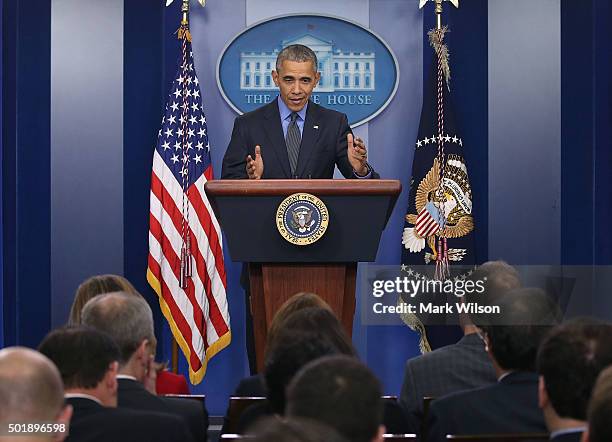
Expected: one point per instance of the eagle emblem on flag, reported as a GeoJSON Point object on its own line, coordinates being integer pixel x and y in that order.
{"type": "Point", "coordinates": [453, 210]}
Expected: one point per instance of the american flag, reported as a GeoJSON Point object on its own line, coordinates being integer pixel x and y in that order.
{"type": "Point", "coordinates": [186, 266]}
{"type": "Point", "coordinates": [428, 221]}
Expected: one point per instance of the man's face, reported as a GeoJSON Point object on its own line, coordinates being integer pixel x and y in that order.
{"type": "Point", "coordinates": [296, 80]}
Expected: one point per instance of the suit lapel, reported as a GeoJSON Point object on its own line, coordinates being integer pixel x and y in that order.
{"type": "Point", "coordinates": [310, 135]}
{"type": "Point", "coordinates": [274, 131]}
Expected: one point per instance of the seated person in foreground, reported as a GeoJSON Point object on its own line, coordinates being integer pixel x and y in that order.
{"type": "Point", "coordinates": [294, 430]}
{"type": "Point", "coordinates": [128, 320]}
{"type": "Point", "coordinates": [600, 410]}
{"type": "Point", "coordinates": [88, 362]}
{"type": "Point", "coordinates": [293, 349]}
{"type": "Point", "coordinates": [511, 404]}
{"type": "Point", "coordinates": [162, 381]}
{"type": "Point", "coordinates": [461, 366]}
{"type": "Point", "coordinates": [31, 390]}
{"type": "Point", "coordinates": [254, 385]}
{"type": "Point", "coordinates": [341, 392]}
{"type": "Point", "coordinates": [569, 361]}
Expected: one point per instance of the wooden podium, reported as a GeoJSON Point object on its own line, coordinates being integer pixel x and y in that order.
{"type": "Point", "coordinates": [358, 213]}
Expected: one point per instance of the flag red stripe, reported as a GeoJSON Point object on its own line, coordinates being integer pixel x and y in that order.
{"type": "Point", "coordinates": [177, 316]}
{"type": "Point", "coordinates": [175, 264]}
{"type": "Point", "coordinates": [215, 314]}
{"type": "Point", "coordinates": [175, 215]}
{"type": "Point", "coordinates": [206, 222]}
{"type": "Point", "coordinates": [175, 311]}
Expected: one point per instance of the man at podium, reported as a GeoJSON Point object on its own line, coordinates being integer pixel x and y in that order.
{"type": "Point", "coordinates": [292, 137]}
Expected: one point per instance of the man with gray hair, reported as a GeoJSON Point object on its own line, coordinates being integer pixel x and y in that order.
{"type": "Point", "coordinates": [128, 319]}
{"type": "Point", "coordinates": [31, 391]}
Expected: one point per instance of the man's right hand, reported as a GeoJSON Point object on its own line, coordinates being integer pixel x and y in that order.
{"type": "Point", "coordinates": [255, 167]}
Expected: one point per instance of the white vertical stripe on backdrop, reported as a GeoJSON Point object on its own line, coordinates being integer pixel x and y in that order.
{"type": "Point", "coordinates": [524, 130]}
{"type": "Point", "coordinates": [86, 145]}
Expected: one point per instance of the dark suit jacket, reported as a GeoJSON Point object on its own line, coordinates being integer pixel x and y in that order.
{"type": "Point", "coordinates": [323, 145]}
{"type": "Point", "coordinates": [461, 366]}
{"type": "Point", "coordinates": [132, 394]}
{"type": "Point", "coordinates": [91, 422]}
{"type": "Point", "coordinates": [509, 406]}
{"type": "Point", "coordinates": [574, 436]}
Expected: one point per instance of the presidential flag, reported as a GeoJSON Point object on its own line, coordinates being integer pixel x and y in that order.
{"type": "Point", "coordinates": [186, 267]}
{"type": "Point", "coordinates": [438, 226]}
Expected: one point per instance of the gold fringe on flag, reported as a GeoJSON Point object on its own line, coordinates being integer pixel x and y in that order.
{"type": "Point", "coordinates": [436, 40]}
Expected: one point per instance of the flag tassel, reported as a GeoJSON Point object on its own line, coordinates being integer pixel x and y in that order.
{"type": "Point", "coordinates": [185, 270]}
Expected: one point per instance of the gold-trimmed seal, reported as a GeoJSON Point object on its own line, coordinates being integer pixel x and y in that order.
{"type": "Point", "coordinates": [302, 219]}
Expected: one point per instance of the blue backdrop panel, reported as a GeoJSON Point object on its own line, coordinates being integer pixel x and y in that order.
{"type": "Point", "coordinates": [26, 101]}
{"type": "Point", "coordinates": [524, 131]}
{"type": "Point", "coordinates": [86, 146]}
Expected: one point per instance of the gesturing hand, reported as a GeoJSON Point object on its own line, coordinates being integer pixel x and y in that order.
{"type": "Point", "coordinates": [357, 155]}
{"type": "Point", "coordinates": [255, 167]}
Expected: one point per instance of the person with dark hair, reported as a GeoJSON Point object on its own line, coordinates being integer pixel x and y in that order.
{"type": "Point", "coordinates": [129, 321]}
{"type": "Point", "coordinates": [341, 392]}
{"type": "Point", "coordinates": [510, 405]}
{"type": "Point", "coordinates": [316, 316]}
{"type": "Point", "coordinates": [294, 430]}
{"type": "Point", "coordinates": [31, 390]}
{"type": "Point", "coordinates": [294, 138]}
{"type": "Point", "coordinates": [87, 360]}
{"type": "Point", "coordinates": [461, 366]}
{"type": "Point", "coordinates": [292, 349]}
{"type": "Point", "coordinates": [569, 361]}
{"type": "Point", "coordinates": [600, 409]}
{"type": "Point", "coordinates": [298, 138]}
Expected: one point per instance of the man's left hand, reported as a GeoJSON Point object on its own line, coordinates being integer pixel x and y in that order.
{"type": "Point", "coordinates": [357, 155]}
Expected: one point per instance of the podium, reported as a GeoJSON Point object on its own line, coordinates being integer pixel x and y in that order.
{"type": "Point", "coordinates": [358, 213]}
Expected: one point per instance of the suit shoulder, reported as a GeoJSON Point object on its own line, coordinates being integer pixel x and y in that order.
{"type": "Point", "coordinates": [434, 357]}
{"type": "Point", "coordinates": [330, 114]}
{"type": "Point", "coordinates": [255, 114]}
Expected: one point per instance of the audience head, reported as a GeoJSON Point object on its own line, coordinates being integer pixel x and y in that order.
{"type": "Point", "coordinates": [600, 410]}
{"type": "Point", "coordinates": [526, 316]}
{"type": "Point", "coordinates": [292, 349]}
{"type": "Point", "coordinates": [324, 323]}
{"type": "Point", "coordinates": [341, 392]}
{"type": "Point", "coordinates": [498, 278]}
{"type": "Point", "coordinates": [297, 302]}
{"type": "Point", "coordinates": [87, 361]}
{"type": "Point", "coordinates": [569, 360]}
{"type": "Point", "coordinates": [128, 320]}
{"type": "Point", "coordinates": [94, 286]}
{"type": "Point", "coordinates": [294, 430]}
{"type": "Point", "coordinates": [31, 389]}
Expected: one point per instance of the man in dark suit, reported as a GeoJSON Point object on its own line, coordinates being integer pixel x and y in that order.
{"type": "Point", "coordinates": [461, 366]}
{"type": "Point", "coordinates": [128, 319]}
{"type": "Point", "coordinates": [292, 136]}
{"type": "Point", "coordinates": [31, 390]}
{"type": "Point", "coordinates": [511, 404]}
{"type": "Point", "coordinates": [569, 361]}
{"type": "Point", "coordinates": [88, 361]}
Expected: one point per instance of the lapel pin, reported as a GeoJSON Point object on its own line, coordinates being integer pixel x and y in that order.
{"type": "Point", "coordinates": [315, 127]}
